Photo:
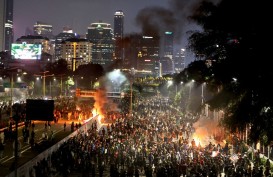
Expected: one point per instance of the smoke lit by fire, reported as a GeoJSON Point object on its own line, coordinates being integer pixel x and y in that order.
{"type": "Point", "coordinates": [110, 83]}
{"type": "Point", "coordinates": [206, 131]}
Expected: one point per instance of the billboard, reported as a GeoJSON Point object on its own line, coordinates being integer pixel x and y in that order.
{"type": "Point", "coordinates": [40, 110]}
{"type": "Point", "coordinates": [26, 51]}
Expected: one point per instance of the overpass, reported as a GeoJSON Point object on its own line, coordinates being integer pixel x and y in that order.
{"type": "Point", "coordinates": [90, 94]}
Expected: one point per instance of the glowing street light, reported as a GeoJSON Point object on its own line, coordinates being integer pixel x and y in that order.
{"type": "Point", "coordinates": [44, 76]}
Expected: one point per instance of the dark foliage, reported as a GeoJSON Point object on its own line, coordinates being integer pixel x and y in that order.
{"type": "Point", "coordinates": [235, 64]}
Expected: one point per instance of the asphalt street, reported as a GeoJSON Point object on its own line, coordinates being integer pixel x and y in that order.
{"type": "Point", "coordinates": [26, 153]}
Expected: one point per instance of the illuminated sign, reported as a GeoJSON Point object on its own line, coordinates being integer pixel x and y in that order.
{"type": "Point", "coordinates": [26, 51]}
{"type": "Point", "coordinates": [168, 32]}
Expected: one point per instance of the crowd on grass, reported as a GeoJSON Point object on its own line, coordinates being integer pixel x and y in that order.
{"type": "Point", "coordinates": [153, 143]}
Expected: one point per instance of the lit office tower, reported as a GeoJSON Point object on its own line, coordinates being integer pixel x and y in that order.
{"type": "Point", "coordinates": [118, 33]}
{"type": "Point", "coordinates": [67, 33]}
{"type": "Point", "coordinates": [101, 36]}
{"type": "Point", "coordinates": [168, 44]}
{"type": "Point", "coordinates": [167, 59]}
{"type": "Point", "coordinates": [179, 60]}
{"type": "Point", "coordinates": [43, 29]}
{"type": "Point", "coordinates": [6, 24]}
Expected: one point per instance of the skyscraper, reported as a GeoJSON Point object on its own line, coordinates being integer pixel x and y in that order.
{"type": "Point", "coordinates": [118, 34]}
{"type": "Point", "coordinates": [167, 60]}
{"type": "Point", "coordinates": [6, 24]}
{"type": "Point", "coordinates": [101, 36]}
{"type": "Point", "coordinates": [168, 44]}
{"type": "Point", "coordinates": [43, 29]}
{"type": "Point", "coordinates": [67, 33]}
{"type": "Point", "coordinates": [118, 24]}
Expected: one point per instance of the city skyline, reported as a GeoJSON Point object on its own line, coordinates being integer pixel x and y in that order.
{"type": "Point", "coordinates": [59, 13]}
{"type": "Point", "coordinates": [80, 14]}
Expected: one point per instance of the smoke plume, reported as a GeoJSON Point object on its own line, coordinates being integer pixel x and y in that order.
{"type": "Point", "coordinates": [154, 21]}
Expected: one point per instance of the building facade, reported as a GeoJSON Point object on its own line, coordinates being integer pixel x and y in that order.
{"type": "Point", "coordinates": [43, 29]}
{"type": "Point", "coordinates": [76, 52]}
{"type": "Point", "coordinates": [167, 48]}
{"type": "Point", "coordinates": [179, 60]}
{"type": "Point", "coordinates": [6, 24]}
{"type": "Point", "coordinates": [141, 53]}
{"type": "Point", "coordinates": [118, 34]}
{"type": "Point", "coordinates": [30, 39]}
{"type": "Point", "coordinates": [102, 38]}
{"type": "Point", "coordinates": [67, 33]}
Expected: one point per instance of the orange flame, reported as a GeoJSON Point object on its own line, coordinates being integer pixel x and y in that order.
{"type": "Point", "coordinates": [99, 105]}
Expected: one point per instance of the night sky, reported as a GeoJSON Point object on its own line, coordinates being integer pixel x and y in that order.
{"type": "Point", "coordinates": [140, 15]}
{"type": "Point", "coordinates": [77, 13]}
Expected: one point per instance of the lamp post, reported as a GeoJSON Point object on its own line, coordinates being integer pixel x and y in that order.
{"type": "Point", "coordinates": [44, 76]}
{"type": "Point", "coordinates": [132, 73]}
{"type": "Point", "coordinates": [11, 70]}
{"type": "Point", "coordinates": [192, 81]}
{"type": "Point", "coordinates": [176, 89]}
{"type": "Point", "coordinates": [131, 98]}
{"type": "Point", "coordinates": [11, 93]}
{"type": "Point", "coordinates": [61, 75]}
{"type": "Point", "coordinates": [16, 117]}
{"type": "Point", "coordinates": [202, 93]}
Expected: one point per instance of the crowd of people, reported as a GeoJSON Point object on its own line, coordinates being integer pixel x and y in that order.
{"type": "Point", "coordinates": [151, 142]}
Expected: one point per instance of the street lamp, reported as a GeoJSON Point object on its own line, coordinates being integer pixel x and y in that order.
{"type": "Point", "coordinates": [12, 70]}
{"type": "Point", "coordinates": [132, 73]}
{"type": "Point", "coordinates": [202, 93]}
{"type": "Point", "coordinates": [177, 86]}
{"type": "Point", "coordinates": [44, 76]}
{"type": "Point", "coordinates": [191, 83]}
{"type": "Point", "coordinates": [61, 75]}
{"type": "Point", "coordinates": [16, 118]}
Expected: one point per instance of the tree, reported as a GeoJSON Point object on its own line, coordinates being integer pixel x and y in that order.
{"type": "Point", "coordinates": [237, 67]}
{"type": "Point", "coordinates": [88, 74]}
{"type": "Point", "coordinates": [59, 67]}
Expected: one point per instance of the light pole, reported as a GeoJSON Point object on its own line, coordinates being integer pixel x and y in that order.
{"type": "Point", "coordinates": [44, 76]}
{"type": "Point", "coordinates": [16, 119]}
{"type": "Point", "coordinates": [202, 93]}
{"type": "Point", "coordinates": [191, 84]}
{"type": "Point", "coordinates": [179, 86]}
{"type": "Point", "coordinates": [11, 94]}
{"type": "Point", "coordinates": [61, 75]}
{"type": "Point", "coordinates": [192, 81]}
{"type": "Point", "coordinates": [11, 70]}
{"type": "Point", "coordinates": [131, 97]}
{"type": "Point", "coordinates": [132, 73]}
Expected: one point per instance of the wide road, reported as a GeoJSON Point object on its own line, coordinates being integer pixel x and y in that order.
{"type": "Point", "coordinates": [26, 153]}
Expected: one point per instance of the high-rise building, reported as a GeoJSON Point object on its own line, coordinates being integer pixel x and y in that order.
{"type": "Point", "coordinates": [76, 52]}
{"type": "Point", "coordinates": [101, 36]}
{"type": "Point", "coordinates": [179, 60]}
{"type": "Point", "coordinates": [118, 34]}
{"type": "Point", "coordinates": [168, 44]}
{"type": "Point", "coordinates": [141, 53]}
{"type": "Point", "coordinates": [167, 49]}
{"type": "Point", "coordinates": [46, 45]}
{"type": "Point", "coordinates": [118, 24]}
{"type": "Point", "coordinates": [67, 33]}
{"type": "Point", "coordinates": [6, 24]}
{"type": "Point", "coordinates": [43, 29]}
